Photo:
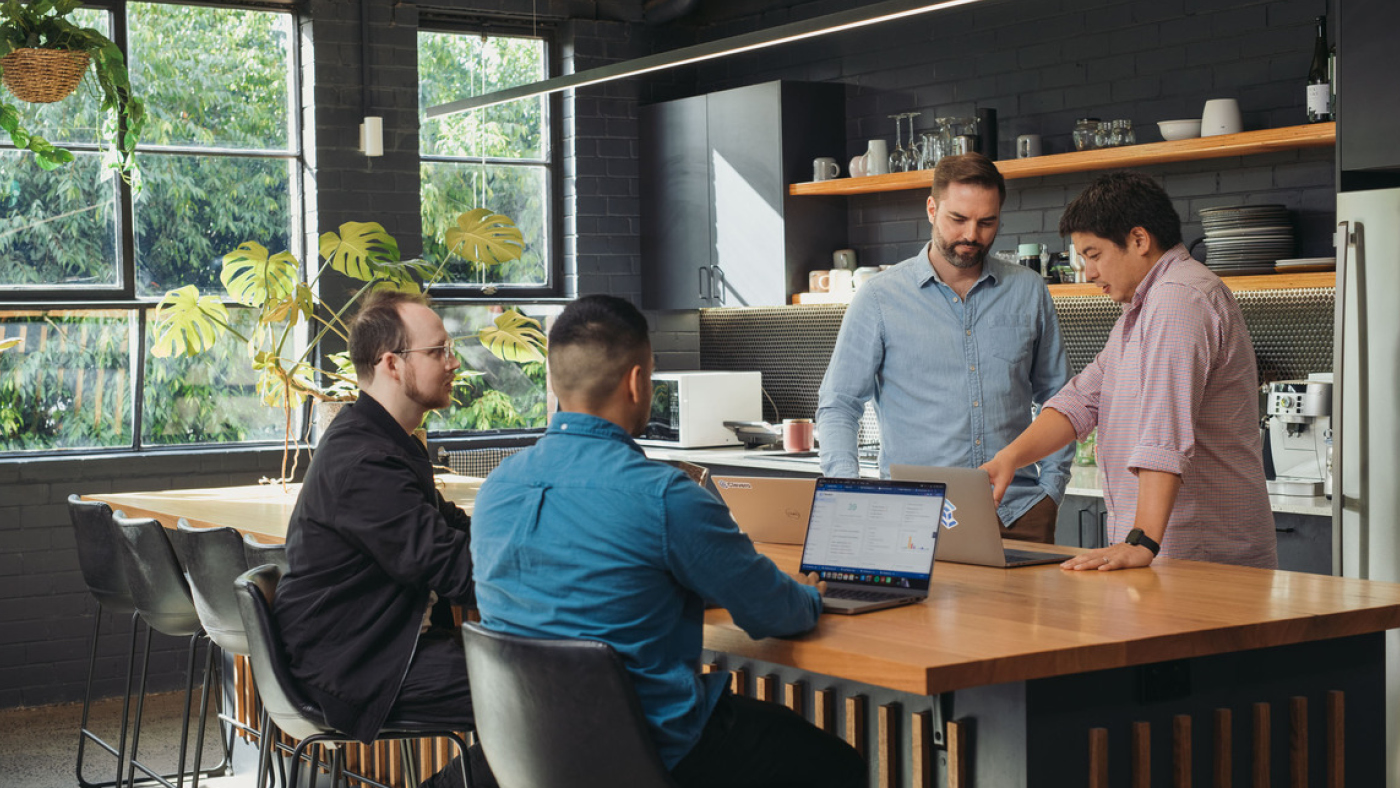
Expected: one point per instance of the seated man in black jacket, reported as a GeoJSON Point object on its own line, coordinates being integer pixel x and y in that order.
{"type": "Point", "coordinates": [372, 544]}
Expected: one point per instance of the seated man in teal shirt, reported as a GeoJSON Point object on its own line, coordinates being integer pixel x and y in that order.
{"type": "Point", "coordinates": [581, 536]}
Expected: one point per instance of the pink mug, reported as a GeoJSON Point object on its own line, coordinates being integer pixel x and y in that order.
{"type": "Point", "coordinates": [798, 434]}
{"type": "Point", "coordinates": [819, 281]}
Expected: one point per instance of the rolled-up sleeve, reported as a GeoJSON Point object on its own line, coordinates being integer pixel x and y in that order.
{"type": "Point", "coordinates": [1078, 401]}
{"type": "Point", "coordinates": [848, 384]}
{"type": "Point", "coordinates": [708, 554]}
{"type": "Point", "coordinates": [1174, 371]}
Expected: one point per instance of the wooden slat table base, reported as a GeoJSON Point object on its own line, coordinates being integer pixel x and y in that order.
{"type": "Point", "coordinates": [921, 749]}
{"type": "Point", "coordinates": [1336, 739]}
{"type": "Point", "coordinates": [1298, 742]}
{"type": "Point", "coordinates": [888, 722]}
{"type": "Point", "coordinates": [1223, 762]}
{"type": "Point", "coordinates": [1098, 757]}
{"type": "Point", "coordinates": [855, 723]}
{"type": "Point", "coordinates": [1262, 752]}
{"type": "Point", "coordinates": [793, 694]}
{"type": "Point", "coordinates": [1141, 756]}
{"type": "Point", "coordinates": [1181, 751]}
{"type": "Point", "coordinates": [959, 754]}
{"type": "Point", "coordinates": [824, 709]}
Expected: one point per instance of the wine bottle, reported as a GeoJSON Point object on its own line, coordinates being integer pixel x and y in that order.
{"type": "Point", "coordinates": [1319, 88]}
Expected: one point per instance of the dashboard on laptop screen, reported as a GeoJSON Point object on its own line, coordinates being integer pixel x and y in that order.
{"type": "Point", "coordinates": [873, 531]}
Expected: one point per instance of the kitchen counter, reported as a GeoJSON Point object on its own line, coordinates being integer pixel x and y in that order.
{"type": "Point", "coordinates": [1084, 480]}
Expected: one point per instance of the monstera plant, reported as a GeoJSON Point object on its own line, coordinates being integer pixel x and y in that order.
{"type": "Point", "coordinates": [189, 322]}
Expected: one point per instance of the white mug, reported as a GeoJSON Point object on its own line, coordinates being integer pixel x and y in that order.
{"type": "Point", "coordinates": [877, 158]}
{"type": "Point", "coordinates": [858, 167]}
{"type": "Point", "coordinates": [841, 281]}
{"type": "Point", "coordinates": [1027, 145]}
{"type": "Point", "coordinates": [844, 258]}
{"type": "Point", "coordinates": [863, 275]}
{"type": "Point", "coordinates": [1221, 116]}
{"type": "Point", "coordinates": [825, 168]}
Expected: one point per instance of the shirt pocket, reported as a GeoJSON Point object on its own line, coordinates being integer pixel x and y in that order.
{"type": "Point", "coordinates": [1010, 343]}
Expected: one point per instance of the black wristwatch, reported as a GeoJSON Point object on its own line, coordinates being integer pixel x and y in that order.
{"type": "Point", "coordinates": [1137, 537]}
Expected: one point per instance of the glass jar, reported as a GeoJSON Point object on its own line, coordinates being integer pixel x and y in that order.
{"type": "Point", "coordinates": [1129, 136]}
{"type": "Point", "coordinates": [1084, 130]}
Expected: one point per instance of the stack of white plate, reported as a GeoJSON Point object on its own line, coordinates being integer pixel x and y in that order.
{"type": "Point", "coordinates": [1246, 239]}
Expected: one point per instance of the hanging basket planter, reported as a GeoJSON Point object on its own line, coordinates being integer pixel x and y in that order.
{"type": "Point", "coordinates": [43, 76]}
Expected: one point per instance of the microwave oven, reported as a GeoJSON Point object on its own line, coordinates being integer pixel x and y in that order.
{"type": "Point", "coordinates": [688, 409]}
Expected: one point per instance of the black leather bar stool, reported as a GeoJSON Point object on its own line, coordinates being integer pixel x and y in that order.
{"type": "Point", "coordinates": [283, 699]}
{"type": "Point", "coordinates": [558, 714]}
{"type": "Point", "coordinates": [257, 554]}
{"type": "Point", "coordinates": [164, 602]}
{"type": "Point", "coordinates": [99, 557]}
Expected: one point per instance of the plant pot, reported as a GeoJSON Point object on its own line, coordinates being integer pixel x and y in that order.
{"type": "Point", "coordinates": [43, 76]}
{"type": "Point", "coordinates": [323, 412]}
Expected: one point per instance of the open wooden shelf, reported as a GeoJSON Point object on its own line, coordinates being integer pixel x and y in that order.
{"type": "Point", "coordinates": [1248, 143]}
{"type": "Point", "coordinates": [1235, 283]}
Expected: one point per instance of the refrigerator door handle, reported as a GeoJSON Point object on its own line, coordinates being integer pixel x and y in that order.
{"type": "Point", "coordinates": [1342, 243]}
{"type": "Point", "coordinates": [1351, 261]}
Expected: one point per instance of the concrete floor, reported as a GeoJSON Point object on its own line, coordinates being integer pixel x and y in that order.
{"type": "Point", "coordinates": [38, 746]}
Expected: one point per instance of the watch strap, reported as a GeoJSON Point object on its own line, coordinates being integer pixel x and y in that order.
{"type": "Point", "coordinates": [1137, 537]}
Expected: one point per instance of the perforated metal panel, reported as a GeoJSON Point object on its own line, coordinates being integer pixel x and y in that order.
{"type": "Point", "coordinates": [1291, 329]}
{"type": "Point", "coordinates": [476, 462]}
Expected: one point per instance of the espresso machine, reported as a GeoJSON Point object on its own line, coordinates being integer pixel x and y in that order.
{"type": "Point", "coordinates": [1299, 417]}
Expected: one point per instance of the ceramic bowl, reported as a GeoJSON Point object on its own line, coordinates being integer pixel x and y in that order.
{"type": "Point", "coordinates": [1180, 129]}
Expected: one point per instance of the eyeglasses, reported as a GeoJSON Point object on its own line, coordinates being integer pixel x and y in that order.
{"type": "Point", "coordinates": [436, 351]}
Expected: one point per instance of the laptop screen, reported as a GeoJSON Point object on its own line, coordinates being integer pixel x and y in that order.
{"type": "Point", "coordinates": [875, 532]}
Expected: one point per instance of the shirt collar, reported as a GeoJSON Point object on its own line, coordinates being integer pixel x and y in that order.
{"type": "Point", "coordinates": [589, 426]}
{"type": "Point", "coordinates": [924, 272]}
{"type": "Point", "coordinates": [376, 413]}
{"type": "Point", "coordinates": [1157, 272]}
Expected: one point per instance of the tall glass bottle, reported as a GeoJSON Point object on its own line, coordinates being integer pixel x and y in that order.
{"type": "Point", "coordinates": [1319, 82]}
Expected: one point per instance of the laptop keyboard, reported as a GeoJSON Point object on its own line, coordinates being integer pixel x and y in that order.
{"type": "Point", "coordinates": [858, 595]}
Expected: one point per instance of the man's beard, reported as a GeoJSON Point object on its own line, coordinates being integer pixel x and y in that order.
{"type": "Point", "coordinates": [961, 254]}
{"type": "Point", "coordinates": [429, 400]}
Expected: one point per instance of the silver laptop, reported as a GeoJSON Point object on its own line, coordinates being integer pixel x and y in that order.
{"type": "Point", "coordinates": [971, 531]}
{"type": "Point", "coordinates": [872, 541]}
{"type": "Point", "coordinates": [768, 509]}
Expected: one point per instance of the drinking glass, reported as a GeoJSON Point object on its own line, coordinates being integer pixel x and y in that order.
{"type": "Point", "coordinates": [916, 151]}
{"type": "Point", "coordinates": [899, 160]}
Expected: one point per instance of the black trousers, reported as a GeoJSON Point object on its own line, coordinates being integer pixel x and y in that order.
{"type": "Point", "coordinates": [435, 691]}
{"type": "Point", "coordinates": [755, 744]}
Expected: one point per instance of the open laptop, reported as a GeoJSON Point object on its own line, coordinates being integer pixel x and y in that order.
{"type": "Point", "coordinates": [872, 541]}
{"type": "Point", "coordinates": [768, 509]}
{"type": "Point", "coordinates": [971, 531]}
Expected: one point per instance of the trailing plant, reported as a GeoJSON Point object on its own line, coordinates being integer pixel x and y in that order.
{"type": "Point", "coordinates": [42, 24]}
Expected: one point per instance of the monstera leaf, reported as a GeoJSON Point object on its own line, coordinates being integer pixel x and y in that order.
{"type": "Point", "coordinates": [360, 251]}
{"type": "Point", "coordinates": [252, 278]}
{"type": "Point", "coordinates": [187, 322]}
{"type": "Point", "coordinates": [485, 237]}
{"type": "Point", "coordinates": [514, 337]}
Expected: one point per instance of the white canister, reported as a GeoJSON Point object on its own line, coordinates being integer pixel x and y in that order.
{"type": "Point", "coordinates": [877, 158]}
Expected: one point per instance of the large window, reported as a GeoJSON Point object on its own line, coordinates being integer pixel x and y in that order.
{"type": "Point", "coordinates": [85, 257]}
{"type": "Point", "coordinates": [497, 157]}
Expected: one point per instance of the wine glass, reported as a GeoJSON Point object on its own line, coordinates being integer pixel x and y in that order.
{"type": "Point", "coordinates": [899, 160]}
{"type": "Point", "coordinates": [916, 151]}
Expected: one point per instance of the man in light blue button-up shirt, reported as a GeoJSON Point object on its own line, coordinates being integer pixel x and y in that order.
{"type": "Point", "coordinates": [955, 348]}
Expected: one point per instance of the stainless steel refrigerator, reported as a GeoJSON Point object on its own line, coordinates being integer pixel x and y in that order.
{"type": "Point", "coordinates": [1365, 417]}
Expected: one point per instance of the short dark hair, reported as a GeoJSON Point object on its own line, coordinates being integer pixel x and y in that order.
{"type": "Point", "coordinates": [378, 328]}
{"type": "Point", "coordinates": [1116, 202]}
{"type": "Point", "coordinates": [593, 343]}
{"type": "Point", "coordinates": [970, 168]}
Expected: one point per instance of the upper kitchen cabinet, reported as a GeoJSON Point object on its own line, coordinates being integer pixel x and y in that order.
{"type": "Point", "coordinates": [718, 225]}
{"type": "Point", "coordinates": [1368, 115]}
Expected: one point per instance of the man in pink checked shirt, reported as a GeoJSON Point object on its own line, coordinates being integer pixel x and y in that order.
{"type": "Point", "coordinates": [1173, 394]}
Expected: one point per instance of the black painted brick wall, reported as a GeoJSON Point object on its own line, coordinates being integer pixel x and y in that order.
{"type": "Point", "coordinates": [45, 610]}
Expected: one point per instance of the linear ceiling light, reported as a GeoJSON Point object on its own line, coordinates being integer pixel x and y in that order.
{"type": "Point", "coordinates": [872, 14]}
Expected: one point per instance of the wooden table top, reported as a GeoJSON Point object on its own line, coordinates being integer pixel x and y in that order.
{"type": "Point", "coordinates": [983, 626]}
{"type": "Point", "coordinates": [262, 509]}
